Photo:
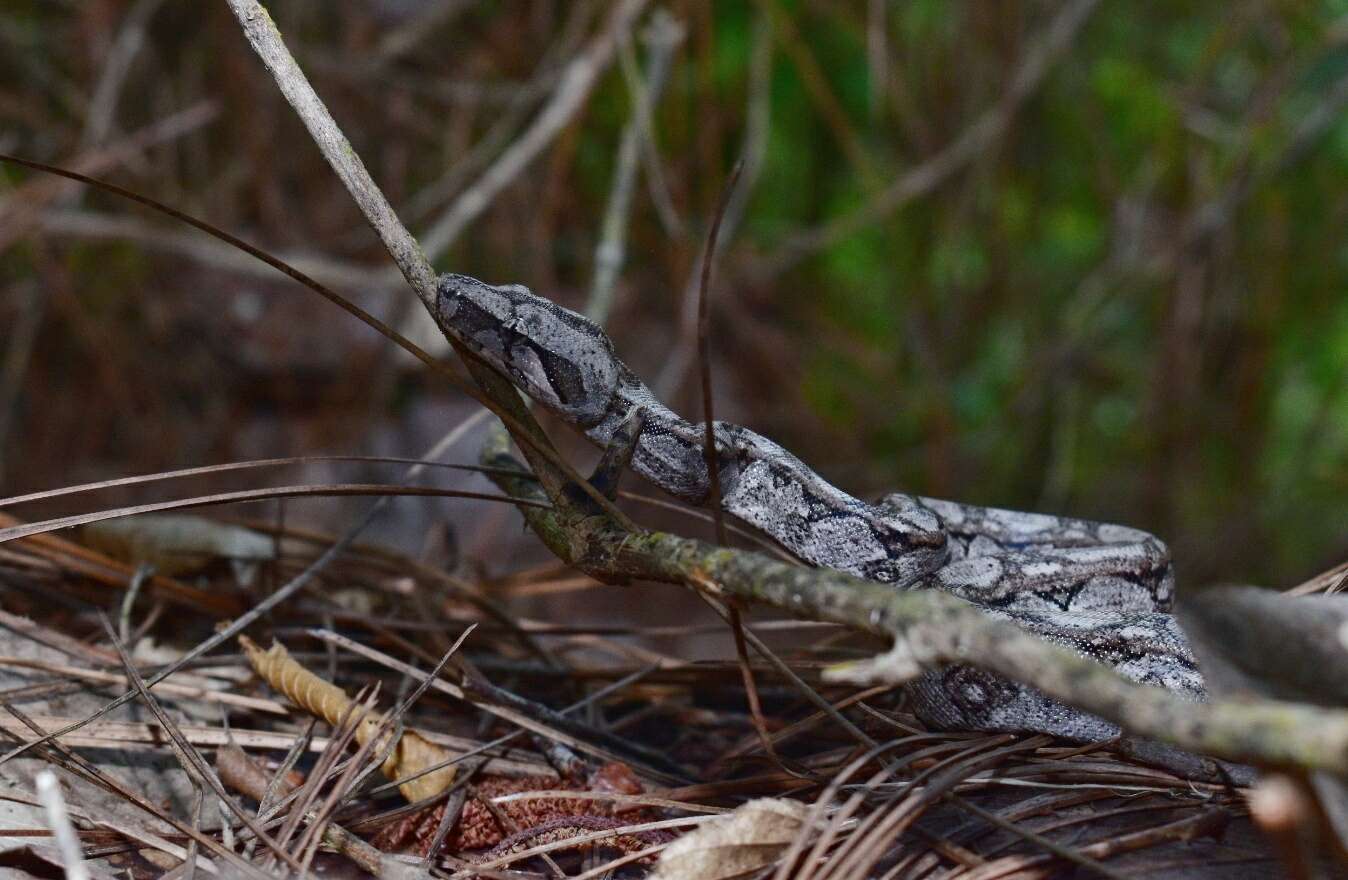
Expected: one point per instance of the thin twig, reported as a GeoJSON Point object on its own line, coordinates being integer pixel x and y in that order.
{"type": "Point", "coordinates": [496, 393]}
{"type": "Point", "coordinates": [737, 629]}
{"type": "Point", "coordinates": [820, 93]}
{"type": "Point", "coordinates": [704, 359]}
{"type": "Point", "coordinates": [190, 759]}
{"type": "Point", "coordinates": [266, 41]}
{"type": "Point", "coordinates": [507, 738]}
{"type": "Point", "coordinates": [524, 713]}
{"type": "Point", "coordinates": [98, 120]}
{"type": "Point", "coordinates": [663, 37]}
{"type": "Point", "coordinates": [22, 203]}
{"type": "Point", "coordinates": [160, 476]}
{"type": "Point", "coordinates": [1066, 853]}
{"type": "Point", "coordinates": [77, 765]}
{"type": "Point", "coordinates": [663, 28]}
{"type": "Point", "coordinates": [572, 842]}
{"type": "Point", "coordinates": [1328, 582]}
{"type": "Point", "coordinates": [753, 151]}
{"type": "Point", "coordinates": [713, 462]}
{"type": "Point", "coordinates": [574, 85]}
{"type": "Point", "coordinates": [454, 805]}
{"type": "Point", "coordinates": [17, 357]}
{"type": "Point", "coordinates": [540, 83]}
{"type": "Point", "coordinates": [204, 692]}
{"type": "Point", "coordinates": [331, 271]}
{"type": "Point", "coordinates": [144, 572]}
{"type": "Point", "coordinates": [877, 55]}
{"type": "Point", "coordinates": [421, 24]}
{"type": "Point", "coordinates": [26, 530]}
{"type": "Point", "coordinates": [241, 245]}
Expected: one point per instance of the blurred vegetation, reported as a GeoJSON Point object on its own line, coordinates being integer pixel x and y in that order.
{"type": "Point", "coordinates": [1125, 301]}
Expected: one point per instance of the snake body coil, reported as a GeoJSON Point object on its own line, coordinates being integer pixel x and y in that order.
{"type": "Point", "coordinates": [1103, 590]}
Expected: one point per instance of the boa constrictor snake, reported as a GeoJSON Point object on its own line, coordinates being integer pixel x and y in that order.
{"type": "Point", "coordinates": [1103, 590]}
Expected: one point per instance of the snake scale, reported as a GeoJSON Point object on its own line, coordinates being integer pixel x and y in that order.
{"type": "Point", "coordinates": [1100, 589]}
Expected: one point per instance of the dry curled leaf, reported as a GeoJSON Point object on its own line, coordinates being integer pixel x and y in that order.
{"type": "Point", "coordinates": [241, 773]}
{"type": "Point", "coordinates": [413, 753]}
{"type": "Point", "coordinates": [750, 838]}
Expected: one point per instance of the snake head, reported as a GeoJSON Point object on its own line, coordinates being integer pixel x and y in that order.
{"type": "Point", "coordinates": [559, 358]}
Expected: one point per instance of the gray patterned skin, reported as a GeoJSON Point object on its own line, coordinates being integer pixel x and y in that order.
{"type": "Point", "coordinates": [1102, 590]}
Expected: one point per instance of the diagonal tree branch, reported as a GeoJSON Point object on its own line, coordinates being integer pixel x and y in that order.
{"type": "Point", "coordinates": [501, 397]}
{"type": "Point", "coordinates": [266, 41]}
{"type": "Point", "coordinates": [574, 85]}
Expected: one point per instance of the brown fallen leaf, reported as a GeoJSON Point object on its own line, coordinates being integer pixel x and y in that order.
{"type": "Point", "coordinates": [752, 837]}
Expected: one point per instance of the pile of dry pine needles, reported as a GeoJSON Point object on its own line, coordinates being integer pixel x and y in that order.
{"type": "Point", "coordinates": [394, 718]}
